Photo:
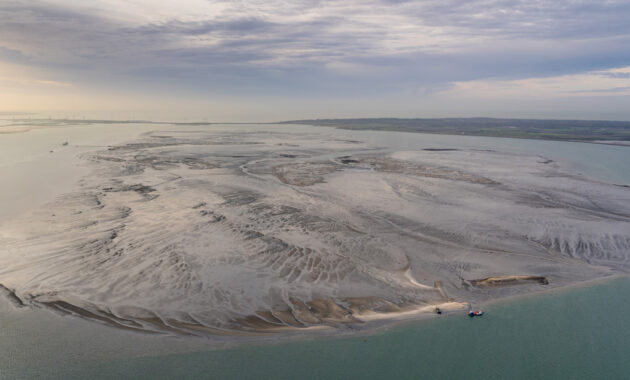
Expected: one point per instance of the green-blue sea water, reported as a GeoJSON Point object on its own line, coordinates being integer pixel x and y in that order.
{"type": "Point", "coordinates": [576, 333]}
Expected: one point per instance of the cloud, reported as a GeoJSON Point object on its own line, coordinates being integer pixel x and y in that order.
{"type": "Point", "coordinates": [32, 82]}
{"type": "Point", "coordinates": [313, 47]}
{"type": "Point", "coordinates": [605, 83]}
{"type": "Point", "coordinates": [623, 89]}
{"type": "Point", "coordinates": [309, 30]}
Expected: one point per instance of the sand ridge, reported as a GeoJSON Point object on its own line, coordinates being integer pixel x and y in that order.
{"type": "Point", "coordinates": [218, 232]}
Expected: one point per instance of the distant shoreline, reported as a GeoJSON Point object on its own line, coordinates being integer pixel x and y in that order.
{"type": "Point", "coordinates": [588, 131]}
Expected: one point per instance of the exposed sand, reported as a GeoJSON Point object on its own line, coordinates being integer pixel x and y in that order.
{"type": "Point", "coordinates": [510, 280]}
{"type": "Point", "coordinates": [447, 307]}
{"type": "Point", "coordinates": [206, 231]}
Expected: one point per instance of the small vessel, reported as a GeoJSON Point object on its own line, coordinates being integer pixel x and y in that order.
{"type": "Point", "coordinates": [65, 143]}
{"type": "Point", "coordinates": [476, 313]}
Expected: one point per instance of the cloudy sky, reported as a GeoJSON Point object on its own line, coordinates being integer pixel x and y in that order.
{"type": "Point", "coordinates": [273, 60]}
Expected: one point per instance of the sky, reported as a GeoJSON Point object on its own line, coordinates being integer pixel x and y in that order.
{"type": "Point", "coordinates": [272, 60]}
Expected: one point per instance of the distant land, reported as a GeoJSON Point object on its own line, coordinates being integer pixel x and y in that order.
{"type": "Point", "coordinates": [595, 131]}
{"type": "Point", "coordinates": [577, 130]}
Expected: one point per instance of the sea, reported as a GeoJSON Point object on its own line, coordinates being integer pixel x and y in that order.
{"type": "Point", "coordinates": [580, 332]}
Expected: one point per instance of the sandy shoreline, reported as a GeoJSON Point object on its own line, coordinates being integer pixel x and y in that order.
{"type": "Point", "coordinates": [382, 325]}
{"type": "Point", "coordinates": [188, 344]}
{"type": "Point", "coordinates": [552, 290]}
{"type": "Point", "coordinates": [286, 232]}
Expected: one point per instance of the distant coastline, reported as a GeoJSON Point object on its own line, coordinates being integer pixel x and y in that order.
{"type": "Point", "coordinates": [587, 131]}
{"type": "Point", "coordinates": [592, 131]}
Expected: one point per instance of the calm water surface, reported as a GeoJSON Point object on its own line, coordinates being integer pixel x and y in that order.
{"type": "Point", "coordinates": [607, 163]}
{"type": "Point", "coordinates": [579, 333]}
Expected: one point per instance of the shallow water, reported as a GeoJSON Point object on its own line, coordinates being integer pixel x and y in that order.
{"type": "Point", "coordinates": [607, 163]}
{"type": "Point", "coordinates": [37, 163]}
{"type": "Point", "coordinates": [578, 333]}
{"type": "Point", "coordinates": [26, 161]}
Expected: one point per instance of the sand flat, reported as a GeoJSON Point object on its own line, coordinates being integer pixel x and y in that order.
{"type": "Point", "coordinates": [201, 230]}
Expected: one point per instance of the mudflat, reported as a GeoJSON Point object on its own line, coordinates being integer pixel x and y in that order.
{"type": "Point", "coordinates": [202, 230]}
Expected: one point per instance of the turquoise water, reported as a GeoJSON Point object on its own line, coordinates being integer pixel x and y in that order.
{"type": "Point", "coordinates": [578, 333]}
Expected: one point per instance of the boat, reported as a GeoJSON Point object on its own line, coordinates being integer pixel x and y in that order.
{"type": "Point", "coordinates": [476, 313]}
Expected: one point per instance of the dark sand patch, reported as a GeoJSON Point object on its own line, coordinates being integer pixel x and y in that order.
{"type": "Point", "coordinates": [11, 296]}
{"type": "Point", "coordinates": [510, 280]}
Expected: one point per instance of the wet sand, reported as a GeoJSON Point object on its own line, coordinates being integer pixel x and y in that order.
{"type": "Point", "coordinates": [510, 280]}
{"type": "Point", "coordinates": [238, 232]}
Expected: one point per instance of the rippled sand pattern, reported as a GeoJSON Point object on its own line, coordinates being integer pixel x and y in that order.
{"type": "Point", "coordinates": [204, 232]}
